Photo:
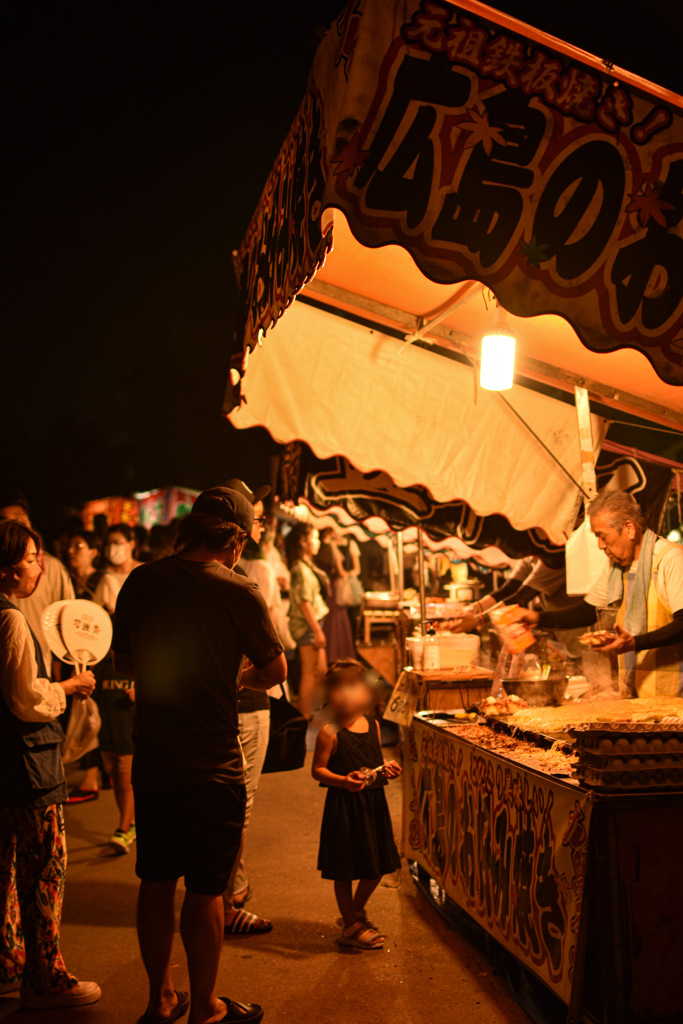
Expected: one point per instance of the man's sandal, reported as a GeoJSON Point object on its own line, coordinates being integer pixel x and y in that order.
{"type": "Point", "coordinates": [360, 936]}
{"type": "Point", "coordinates": [180, 1009]}
{"type": "Point", "coordinates": [241, 1013]}
{"type": "Point", "coordinates": [244, 923]}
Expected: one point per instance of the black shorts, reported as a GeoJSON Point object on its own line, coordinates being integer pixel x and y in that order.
{"type": "Point", "coordinates": [192, 832]}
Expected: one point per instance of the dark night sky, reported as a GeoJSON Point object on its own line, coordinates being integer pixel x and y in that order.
{"type": "Point", "coordinates": [140, 138]}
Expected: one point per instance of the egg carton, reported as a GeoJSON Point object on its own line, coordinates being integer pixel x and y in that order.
{"type": "Point", "coordinates": [630, 761]}
{"type": "Point", "coordinates": [666, 777]}
{"type": "Point", "coordinates": [655, 745]}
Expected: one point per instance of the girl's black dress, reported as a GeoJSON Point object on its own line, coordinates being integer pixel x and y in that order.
{"type": "Point", "coordinates": [356, 836]}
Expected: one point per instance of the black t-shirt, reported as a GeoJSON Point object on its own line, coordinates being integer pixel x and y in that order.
{"type": "Point", "coordinates": [187, 626]}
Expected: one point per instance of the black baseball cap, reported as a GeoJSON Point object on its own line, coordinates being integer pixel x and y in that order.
{"type": "Point", "coordinates": [253, 496]}
{"type": "Point", "coordinates": [228, 504]}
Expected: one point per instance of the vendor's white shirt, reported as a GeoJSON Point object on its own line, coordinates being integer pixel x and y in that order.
{"type": "Point", "coordinates": [521, 569]}
{"type": "Point", "coordinates": [669, 578]}
{"type": "Point", "coordinates": [54, 585]}
{"type": "Point", "coordinates": [549, 583]}
{"type": "Point", "coordinates": [26, 695]}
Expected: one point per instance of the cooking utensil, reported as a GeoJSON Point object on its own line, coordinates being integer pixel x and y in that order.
{"type": "Point", "coordinates": [384, 600]}
{"type": "Point", "coordinates": [537, 692]}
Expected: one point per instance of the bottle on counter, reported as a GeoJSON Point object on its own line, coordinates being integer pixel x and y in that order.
{"type": "Point", "coordinates": [431, 651]}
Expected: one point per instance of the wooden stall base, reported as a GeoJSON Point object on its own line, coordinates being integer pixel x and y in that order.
{"type": "Point", "coordinates": [447, 690]}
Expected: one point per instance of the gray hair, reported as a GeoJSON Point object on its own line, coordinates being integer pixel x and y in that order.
{"type": "Point", "coordinates": [620, 507]}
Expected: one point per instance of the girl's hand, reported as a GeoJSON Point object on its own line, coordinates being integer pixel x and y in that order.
{"type": "Point", "coordinates": [354, 782]}
{"type": "Point", "coordinates": [131, 694]}
{"type": "Point", "coordinates": [392, 769]}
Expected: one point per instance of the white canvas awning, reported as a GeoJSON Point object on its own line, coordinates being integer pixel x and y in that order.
{"type": "Point", "coordinates": [350, 390]}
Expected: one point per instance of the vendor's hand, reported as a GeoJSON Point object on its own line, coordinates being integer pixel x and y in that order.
{"type": "Point", "coordinates": [462, 623]}
{"type": "Point", "coordinates": [354, 782]}
{"type": "Point", "coordinates": [392, 769]}
{"type": "Point", "coordinates": [624, 642]}
{"type": "Point", "coordinates": [81, 685]}
{"type": "Point", "coordinates": [319, 639]}
{"type": "Point", "coordinates": [466, 623]}
{"type": "Point", "coordinates": [527, 615]}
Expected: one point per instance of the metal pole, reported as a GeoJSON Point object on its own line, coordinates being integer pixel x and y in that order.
{"type": "Point", "coordinates": [421, 572]}
{"type": "Point", "coordinates": [391, 554]}
{"type": "Point", "coordinates": [399, 559]}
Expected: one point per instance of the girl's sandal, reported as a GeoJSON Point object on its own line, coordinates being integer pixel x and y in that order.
{"type": "Point", "coordinates": [363, 918]}
{"type": "Point", "coordinates": [359, 936]}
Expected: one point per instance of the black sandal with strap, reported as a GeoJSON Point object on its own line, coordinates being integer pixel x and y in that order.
{"type": "Point", "coordinates": [241, 1013]}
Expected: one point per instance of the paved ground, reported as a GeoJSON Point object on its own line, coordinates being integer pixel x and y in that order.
{"type": "Point", "coordinates": [426, 974]}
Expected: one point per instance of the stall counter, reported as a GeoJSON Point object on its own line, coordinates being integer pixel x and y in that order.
{"type": "Point", "coordinates": [519, 849]}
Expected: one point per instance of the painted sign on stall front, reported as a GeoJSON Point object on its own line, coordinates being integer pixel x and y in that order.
{"type": "Point", "coordinates": [489, 155]}
{"type": "Point", "coordinates": [507, 844]}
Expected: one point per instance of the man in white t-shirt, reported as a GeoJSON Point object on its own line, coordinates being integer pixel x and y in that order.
{"type": "Point", "coordinates": [644, 583]}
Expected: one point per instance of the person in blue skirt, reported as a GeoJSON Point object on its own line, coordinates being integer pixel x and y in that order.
{"type": "Point", "coordinates": [356, 837]}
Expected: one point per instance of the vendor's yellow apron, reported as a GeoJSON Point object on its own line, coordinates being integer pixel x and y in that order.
{"type": "Point", "coordinates": [658, 672]}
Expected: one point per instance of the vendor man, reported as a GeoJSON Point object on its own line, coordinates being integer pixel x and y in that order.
{"type": "Point", "coordinates": [644, 581]}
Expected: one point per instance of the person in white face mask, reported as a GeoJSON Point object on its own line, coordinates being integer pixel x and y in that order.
{"type": "Point", "coordinates": [119, 554]}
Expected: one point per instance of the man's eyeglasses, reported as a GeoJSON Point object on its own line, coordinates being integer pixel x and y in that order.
{"type": "Point", "coordinates": [261, 521]}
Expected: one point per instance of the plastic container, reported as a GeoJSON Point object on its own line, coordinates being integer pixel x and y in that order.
{"type": "Point", "coordinates": [415, 648]}
{"type": "Point", "coordinates": [458, 649]}
{"type": "Point", "coordinates": [515, 635]}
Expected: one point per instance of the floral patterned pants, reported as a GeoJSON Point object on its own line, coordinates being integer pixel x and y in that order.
{"type": "Point", "coordinates": [32, 869]}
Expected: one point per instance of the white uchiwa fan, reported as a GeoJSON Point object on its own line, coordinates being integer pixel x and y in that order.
{"type": "Point", "coordinates": [78, 632]}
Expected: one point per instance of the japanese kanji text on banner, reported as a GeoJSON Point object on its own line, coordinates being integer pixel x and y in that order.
{"type": "Point", "coordinates": [509, 845]}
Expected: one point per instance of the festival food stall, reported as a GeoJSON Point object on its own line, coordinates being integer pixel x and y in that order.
{"type": "Point", "coordinates": [449, 163]}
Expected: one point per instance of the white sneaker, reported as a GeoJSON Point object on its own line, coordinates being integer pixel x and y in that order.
{"type": "Point", "coordinates": [122, 841]}
{"type": "Point", "coordinates": [82, 994]}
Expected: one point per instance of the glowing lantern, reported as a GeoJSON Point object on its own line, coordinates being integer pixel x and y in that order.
{"type": "Point", "coordinates": [498, 356]}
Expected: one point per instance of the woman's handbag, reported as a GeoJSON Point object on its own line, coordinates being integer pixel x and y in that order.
{"type": "Point", "coordinates": [82, 730]}
{"type": "Point", "coordinates": [287, 744]}
{"type": "Point", "coordinates": [348, 592]}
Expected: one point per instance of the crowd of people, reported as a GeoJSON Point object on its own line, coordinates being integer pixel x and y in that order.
{"type": "Point", "coordinates": [209, 622]}
{"type": "Point", "coordinates": [206, 621]}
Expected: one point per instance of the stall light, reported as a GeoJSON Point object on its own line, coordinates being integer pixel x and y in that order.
{"type": "Point", "coordinates": [498, 356]}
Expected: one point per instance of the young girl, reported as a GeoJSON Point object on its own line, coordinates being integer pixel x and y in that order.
{"type": "Point", "coordinates": [356, 838]}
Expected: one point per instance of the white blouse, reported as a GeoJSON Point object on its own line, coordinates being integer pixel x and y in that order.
{"type": "Point", "coordinates": [27, 696]}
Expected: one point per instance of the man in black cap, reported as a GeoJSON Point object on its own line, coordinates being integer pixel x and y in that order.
{"type": "Point", "coordinates": [183, 627]}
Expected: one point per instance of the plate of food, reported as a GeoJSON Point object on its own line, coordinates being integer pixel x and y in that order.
{"type": "Point", "coordinates": [600, 638]}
